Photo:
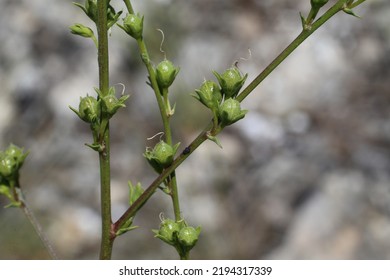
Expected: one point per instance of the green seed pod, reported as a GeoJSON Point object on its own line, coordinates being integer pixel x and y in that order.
{"type": "Point", "coordinates": [8, 166]}
{"type": "Point", "coordinates": [81, 30]}
{"type": "Point", "coordinates": [167, 230]}
{"type": "Point", "coordinates": [317, 4]}
{"type": "Point", "coordinates": [89, 109]}
{"type": "Point", "coordinates": [161, 156]}
{"type": "Point", "coordinates": [133, 25]}
{"type": "Point", "coordinates": [17, 154]}
{"type": "Point", "coordinates": [230, 112]}
{"type": "Point", "coordinates": [166, 73]}
{"type": "Point", "coordinates": [209, 95]}
{"type": "Point", "coordinates": [163, 153]}
{"type": "Point", "coordinates": [231, 81]}
{"type": "Point", "coordinates": [110, 103]}
{"type": "Point", "coordinates": [188, 236]}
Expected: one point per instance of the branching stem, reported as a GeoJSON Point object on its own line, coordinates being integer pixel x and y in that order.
{"type": "Point", "coordinates": [290, 48]}
{"type": "Point", "coordinates": [165, 112]}
{"type": "Point", "coordinates": [132, 210]}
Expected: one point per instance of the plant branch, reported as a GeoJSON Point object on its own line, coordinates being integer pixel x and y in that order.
{"type": "Point", "coordinates": [104, 137]}
{"type": "Point", "coordinates": [129, 6]}
{"type": "Point", "coordinates": [19, 197]}
{"type": "Point", "coordinates": [132, 210]}
{"type": "Point", "coordinates": [203, 136]}
{"type": "Point", "coordinates": [165, 112]}
{"type": "Point", "coordinates": [290, 48]}
{"type": "Point", "coordinates": [38, 229]}
{"type": "Point", "coordinates": [357, 3]}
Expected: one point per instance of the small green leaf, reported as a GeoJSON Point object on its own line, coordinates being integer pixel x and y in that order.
{"type": "Point", "coordinates": [214, 139]}
{"type": "Point", "coordinates": [350, 12]}
{"type": "Point", "coordinates": [81, 30]}
{"type": "Point", "coordinates": [134, 192]}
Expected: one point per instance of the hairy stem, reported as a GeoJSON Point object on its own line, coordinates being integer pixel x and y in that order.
{"type": "Point", "coordinates": [104, 138]}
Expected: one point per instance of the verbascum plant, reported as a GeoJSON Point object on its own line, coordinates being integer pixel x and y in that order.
{"type": "Point", "coordinates": [222, 97]}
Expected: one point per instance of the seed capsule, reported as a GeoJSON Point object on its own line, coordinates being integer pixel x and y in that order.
{"type": "Point", "coordinates": [167, 229]}
{"type": "Point", "coordinates": [110, 103]}
{"type": "Point", "coordinates": [231, 81]}
{"type": "Point", "coordinates": [209, 95]}
{"type": "Point", "coordinates": [161, 156]}
{"type": "Point", "coordinates": [230, 112]}
{"type": "Point", "coordinates": [188, 236]}
{"type": "Point", "coordinates": [16, 153]}
{"type": "Point", "coordinates": [166, 73]}
{"type": "Point", "coordinates": [8, 166]}
{"type": "Point", "coordinates": [89, 109]}
{"type": "Point", "coordinates": [133, 25]}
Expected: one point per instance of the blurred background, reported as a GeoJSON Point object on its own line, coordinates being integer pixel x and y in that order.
{"type": "Point", "coordinates": [306, 174]}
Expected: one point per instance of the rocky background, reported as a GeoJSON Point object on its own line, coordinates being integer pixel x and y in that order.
{"type": "Point", "coordinates": [306, 174]}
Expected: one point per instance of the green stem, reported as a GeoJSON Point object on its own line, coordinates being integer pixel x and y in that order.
{"type": "Point", "coordinates": [129, 6]}
{"type": "Point", "coordinates": [154, 84]}
{"type": "Point", "coordinates": [290, 48]}
{"type": "Point", "coordinates": [107, 238]}
{"type": "Point", "coordinates": [357, 3]}
{"type": "Point", "coordinates": [174, 192]}
{"type": "Point", "coordinates": [312, 15]}
{"type": "Point", "coordinates": [165, 112]}
{"type": "Point", "coordinates": [130, 212]}
{"type": "Point", "coordinates": [165, 115]}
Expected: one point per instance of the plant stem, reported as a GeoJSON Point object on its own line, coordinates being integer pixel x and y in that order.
{"type": "Point", "coordinates": [132, 210]}
{"type": "Point", "coordinates": [104, 137]}
{"type": "Point", "coordinates": [357, 3]}
{"type": "Point", "coordinates": [19, 197]}
{"type": "Point", "coordinates": [129, 6]}
{"type": "Point", "coordinates": [290, 48]}
{"type": "Point", "coordinates": [165, 112]}
{"type": "Point", "coordinates": [38, 229]}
